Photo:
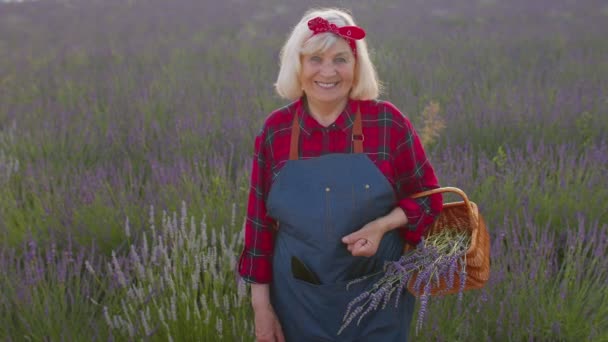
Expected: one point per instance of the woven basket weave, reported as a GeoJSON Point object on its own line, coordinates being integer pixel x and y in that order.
{"type": "Point", "coordinates": [462, 216]}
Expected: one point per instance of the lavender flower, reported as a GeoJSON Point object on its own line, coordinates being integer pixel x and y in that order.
{"type": "Point", "coordinates": [435, 258]}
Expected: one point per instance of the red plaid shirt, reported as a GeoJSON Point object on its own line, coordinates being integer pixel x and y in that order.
{"type": "Point", "coordinates": [390, 142]}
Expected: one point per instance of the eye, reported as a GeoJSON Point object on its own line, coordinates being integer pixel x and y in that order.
{"type": "Point", "coordinates": [315, 59]}
{"type": "Point", "coordinates": [340, 60]}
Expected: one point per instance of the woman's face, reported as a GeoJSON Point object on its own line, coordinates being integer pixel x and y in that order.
{"type": "Point", "coordinates": [327, 77]}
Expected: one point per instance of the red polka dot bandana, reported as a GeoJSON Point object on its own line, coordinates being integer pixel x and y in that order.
{"type": "Point", "coordinates": [349, 33]}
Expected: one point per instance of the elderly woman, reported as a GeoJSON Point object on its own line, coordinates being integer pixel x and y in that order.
{"type": "Point", "coordinates": [330, 185]}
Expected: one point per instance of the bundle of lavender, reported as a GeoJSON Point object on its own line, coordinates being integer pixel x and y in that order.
{"type": "Point", "coordinates": [438, 256]}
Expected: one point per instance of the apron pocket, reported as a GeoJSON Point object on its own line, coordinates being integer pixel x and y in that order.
{"type": "Point", "coordinates": [323, 307]}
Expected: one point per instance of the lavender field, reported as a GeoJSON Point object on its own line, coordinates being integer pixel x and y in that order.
{"type": "Point", "coordinates": [126, 136]}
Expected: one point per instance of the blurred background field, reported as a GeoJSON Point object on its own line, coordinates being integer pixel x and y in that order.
{"type": "Point", "coordinates": [126, 131]}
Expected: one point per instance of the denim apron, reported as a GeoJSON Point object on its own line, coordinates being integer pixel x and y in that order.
{"type": "Point", "coordinates": [317, 202]}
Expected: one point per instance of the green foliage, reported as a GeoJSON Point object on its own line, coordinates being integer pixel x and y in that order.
{"type": "Point", "coordinates": [51, 297]}
{"type": "Point", "coordinates": [23, 213]}
{"type": "Point", "coordinates": [500, 158]}
{"type": "Point", "coordinates": [104, 224]}
{"type": "Point", "coordinates": [586, 128]}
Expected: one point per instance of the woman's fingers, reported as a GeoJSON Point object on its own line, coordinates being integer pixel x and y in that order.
{"type": "Point", "coordinates": [355, 245]}
{"type": "Point", "coordinates": [359, 248]}
{"type": "Point", "coordinates": [279, 332]}
{"type": "Point", "coordinates": [267, 326]}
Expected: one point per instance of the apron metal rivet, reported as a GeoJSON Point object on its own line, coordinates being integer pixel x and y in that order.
{"type": "Point", "coordinates": [327, 189]}
{"type": "Point", "coordinates": [367, 186]}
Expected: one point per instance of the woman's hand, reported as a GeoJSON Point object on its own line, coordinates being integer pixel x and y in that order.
{"type": "Point", "coordinates": [267, 325]}
{"type": "Point", "coordinates": [365, 241]}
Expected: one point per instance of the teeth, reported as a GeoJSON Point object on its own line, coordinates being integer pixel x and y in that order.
{"type": "Point", "coordinates": [327, 85]}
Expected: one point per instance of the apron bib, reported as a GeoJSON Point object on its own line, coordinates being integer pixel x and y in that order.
{"type": "Point", "coordinates": [317, 202]}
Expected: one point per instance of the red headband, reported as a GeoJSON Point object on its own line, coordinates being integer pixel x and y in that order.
{"type": "Point", "coordinates": [349, 33]}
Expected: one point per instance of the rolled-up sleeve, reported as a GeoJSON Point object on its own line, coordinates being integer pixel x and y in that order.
{"type": "Point", "coordinates": [414, 173]}
{"type": "Point", "coordinates": [255, 262]}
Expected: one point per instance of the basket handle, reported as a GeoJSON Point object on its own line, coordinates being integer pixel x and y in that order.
{"type": "Point", "coordinates": [444, 189]}
{"type": "Point", "coordinates": [448, 189]}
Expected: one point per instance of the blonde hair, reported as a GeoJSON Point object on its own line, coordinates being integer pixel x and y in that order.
{"type": "Point", "coordinates": [366, 85]}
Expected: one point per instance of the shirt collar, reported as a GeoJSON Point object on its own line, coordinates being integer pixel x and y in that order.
{"type": "Point", "coordinates": [344, 122]}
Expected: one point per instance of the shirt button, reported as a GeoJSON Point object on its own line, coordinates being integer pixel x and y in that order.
{"type": "Point", "coordinates": [327, 189]}
{"type": "Point", "coordinates": [367, 186]}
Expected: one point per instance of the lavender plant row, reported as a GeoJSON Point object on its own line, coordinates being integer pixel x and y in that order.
{"type": "Point", "coordinates": [174, 282]}
{"type": "Point", "coordinates": [177, 282]}
{"type": "Point", "coordinates": [101, 124]}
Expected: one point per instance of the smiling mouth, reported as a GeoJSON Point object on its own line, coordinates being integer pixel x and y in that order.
{"type": "Point", "coordinates": [327, 85]}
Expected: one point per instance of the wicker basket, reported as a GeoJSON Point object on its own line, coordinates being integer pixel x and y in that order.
{"type": "Point", "coordinates": [462, 215]}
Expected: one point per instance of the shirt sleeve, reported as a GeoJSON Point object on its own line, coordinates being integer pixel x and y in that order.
{"type": "Point", "coordinates": [255, 262]}
{"type": "Point", "coordinates": [414, 173]}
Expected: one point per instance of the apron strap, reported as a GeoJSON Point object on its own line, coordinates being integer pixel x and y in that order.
{"type": "Point", "coordinates": [357, 135]}
{"type": "Point", "coordinates": [295, 137]}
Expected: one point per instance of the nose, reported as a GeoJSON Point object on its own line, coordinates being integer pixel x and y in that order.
{"type": "Point", "coordinates": [328, 69]}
